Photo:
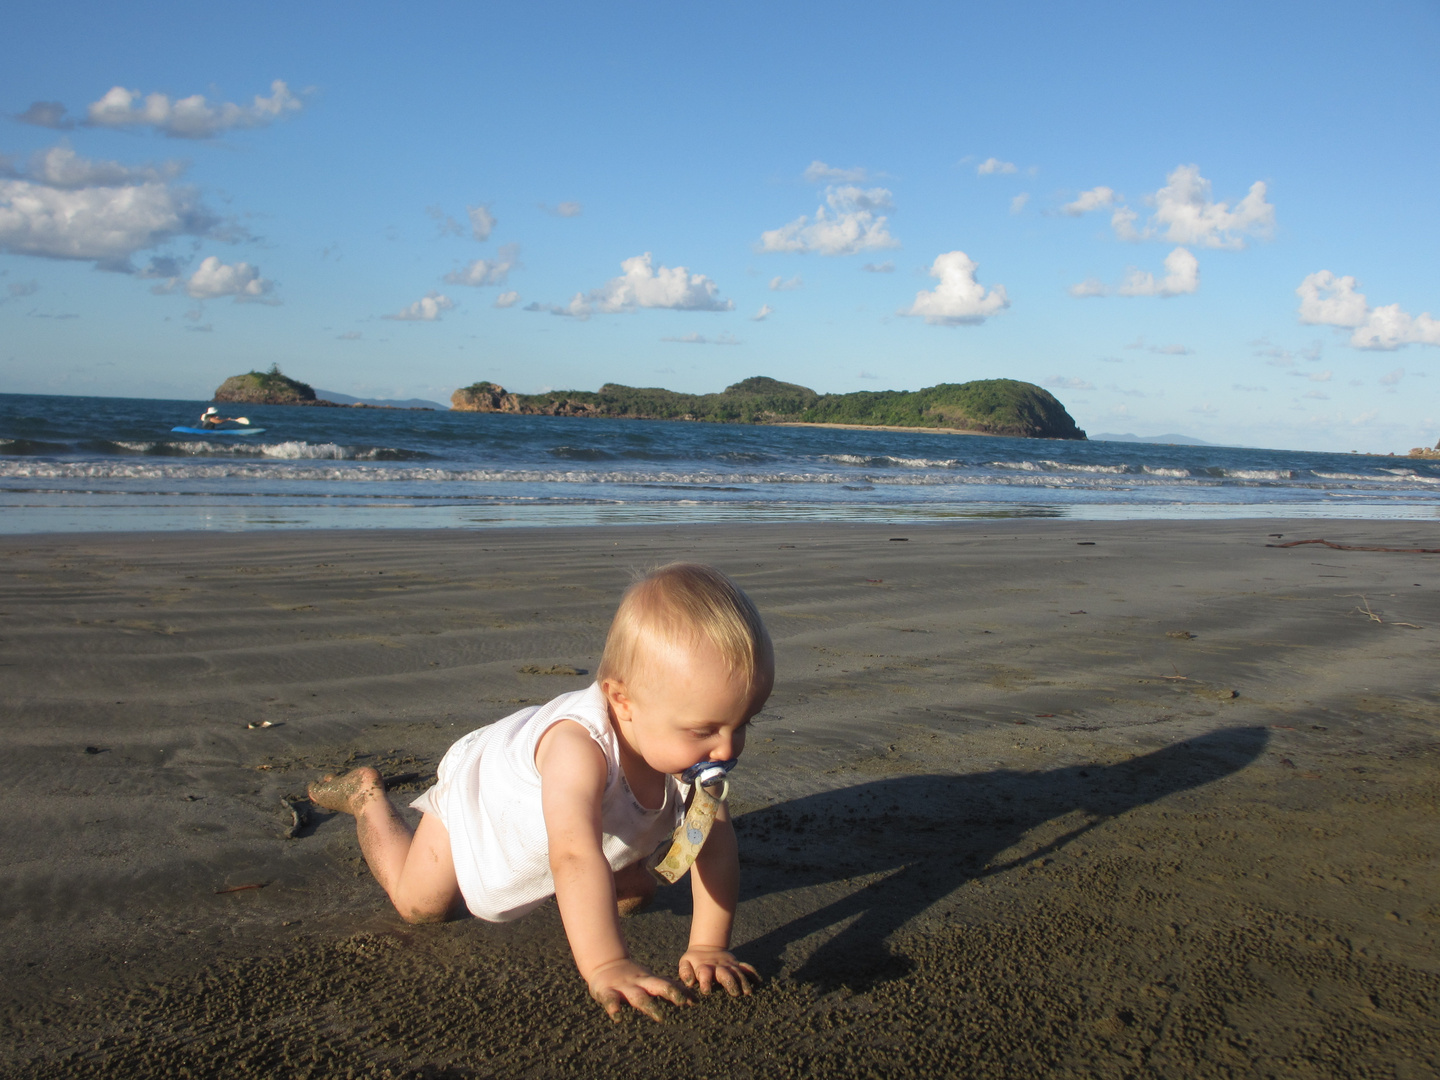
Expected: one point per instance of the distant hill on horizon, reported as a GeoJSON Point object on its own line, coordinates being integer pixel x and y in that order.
{"type": "Point", "coordinates": [983, 407]}
{"type": "Point", "coordinates": [408, 403]}
{"type": "Point", "coordinates": [1174, 440]}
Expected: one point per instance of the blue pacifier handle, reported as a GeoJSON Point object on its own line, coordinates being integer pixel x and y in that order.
{"type": "Point", "coordinates": [700, 768]}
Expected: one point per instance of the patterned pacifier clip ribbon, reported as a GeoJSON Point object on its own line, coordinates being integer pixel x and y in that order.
{"type": "Point", "coordinates": [671, 864]}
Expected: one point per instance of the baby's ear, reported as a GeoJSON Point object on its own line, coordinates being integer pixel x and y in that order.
{"type": "Point", "coordinates": [616, 698]}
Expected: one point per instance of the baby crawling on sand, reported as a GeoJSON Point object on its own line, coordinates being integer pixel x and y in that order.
{"type": "Point", "coordinates": [569, 799]}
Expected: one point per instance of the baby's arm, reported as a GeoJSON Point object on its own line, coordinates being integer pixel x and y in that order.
{"type": "Point", "coordinates": [572, 781]}
{"type": "Point", "coordinates": [715, 885]}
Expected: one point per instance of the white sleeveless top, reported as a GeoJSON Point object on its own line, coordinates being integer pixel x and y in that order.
{"type": "Point", "coordinates": [487, 794]}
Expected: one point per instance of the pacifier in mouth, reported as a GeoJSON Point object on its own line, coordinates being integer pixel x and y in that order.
{"type": "Point", "coordinates": [707, 772]}
{"type": "Point", "coordinates": [670, 863]}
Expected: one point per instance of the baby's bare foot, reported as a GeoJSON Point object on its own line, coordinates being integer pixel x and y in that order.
{"type": "Point", "coordinates": [348, 793]}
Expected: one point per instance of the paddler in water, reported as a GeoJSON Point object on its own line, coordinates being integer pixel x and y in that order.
{"type": "Point", "coordinates": [570, 799]}
{"type": "Point", "coordinates": [211, 418]}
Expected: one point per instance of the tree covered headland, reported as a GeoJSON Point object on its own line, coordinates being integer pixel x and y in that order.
{"type": "Point", "coordinates": [987, 406]}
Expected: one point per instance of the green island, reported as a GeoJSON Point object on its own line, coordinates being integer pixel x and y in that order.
{"type": "Point", "coordinates": [274, 387]}
{"type": "Point", "coordinates": [984, 407]}
{"type": "Point", "coordinates": [266, 388]}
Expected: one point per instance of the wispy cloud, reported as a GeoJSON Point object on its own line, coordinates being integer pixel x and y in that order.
{"type": "Point", "coordinates": [780, 284]}
{"type": "Point", "coordinates": [1017, 204]}
{"type": "Point", "coordinates": [564, 209]}
{"type": "Point", "coordinates": [701, 339]}
{"type": "Point", "coordinates": [764, 313]}
{"type": "Point", "coordinates": [483, 272]}
{"type": "Point", "coordinates": [817, 172]}
{"type": "Point", "coordinates": [994, 166]}
{"type": "Point", "coordinates": [482, 221]}
{"type": "Point", "coordinates": [886, 267]}
{"type": "Point", "coordinates": [190, 117]}
{"type": "Point", "coordinates": [1063, 382]}
{"type": "Point", "coordinates": [1097, 198]}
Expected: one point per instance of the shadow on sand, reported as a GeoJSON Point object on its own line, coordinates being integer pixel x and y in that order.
{"type": "Point", "coordinates": [930, 834]}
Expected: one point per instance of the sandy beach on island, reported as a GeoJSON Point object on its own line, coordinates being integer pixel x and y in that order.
{"type": "Point", "coordinates": [1031, 799]}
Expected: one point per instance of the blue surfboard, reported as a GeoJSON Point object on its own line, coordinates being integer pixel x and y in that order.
{"type": "Point", "coordinates": [218, 431]}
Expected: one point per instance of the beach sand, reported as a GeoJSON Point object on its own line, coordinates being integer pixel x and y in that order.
{"type": "Point", "coordinates": [1031, 799]}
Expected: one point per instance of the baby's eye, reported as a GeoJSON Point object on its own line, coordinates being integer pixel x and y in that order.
{"type": "Point", "coordinates": [702, 733]}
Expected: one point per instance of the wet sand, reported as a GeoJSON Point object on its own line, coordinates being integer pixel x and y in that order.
{"type": "Point", "coordinates": [1030, 799]}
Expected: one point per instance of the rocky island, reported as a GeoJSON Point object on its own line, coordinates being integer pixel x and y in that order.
{"type": "Point", "coordinates": [273, 387]}
{"type": "Point", "coordinates": [984, 407]}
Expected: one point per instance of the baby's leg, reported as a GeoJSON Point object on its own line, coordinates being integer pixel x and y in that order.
{"type": "Point", "coordinates": [416, 871]}
{"type": "Point", "coordinates": [634, 889]}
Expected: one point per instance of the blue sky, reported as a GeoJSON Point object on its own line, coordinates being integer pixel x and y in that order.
{"type": "Point", "coordinates": [1218, 220]}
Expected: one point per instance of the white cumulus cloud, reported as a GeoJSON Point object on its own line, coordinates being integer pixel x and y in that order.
{"type": "Point", "coordinates": [850, 225]}
{"type": "Point", "coordinates": [507, 299]}
{"type": "Point", "coordinates": [959, 299]}
{"type": "Point", "coordinates": [481, 272]}
{"type": "Point", "coordinates": [1017, 204]}
{"type": "Point", "coordinates": [764, 313]}
{"type": "Point", "coordinates": [66, 207]}
{"type": "Point", "coordinates": [214, 279]}
{"type": "Point", "coordinates": [992, 166]}
{"type": "Point", "coordinates": [1186, 214]}
{"type": "Point", "coordinates": [645, 285]}
{"type": "Point", "coordinates": [190, 117]}
{"type": "Point", "coordinates": [1329, 300]}
{"type": "Point", "coordinates": [1182, 276]}
{"type": "Point", "coordinates": [780, 284]}
{"type": "Point", "coordinates": [427, 309]}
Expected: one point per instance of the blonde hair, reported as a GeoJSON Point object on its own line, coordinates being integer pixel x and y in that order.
{"type": "Point", "coordinates": [683, 604]}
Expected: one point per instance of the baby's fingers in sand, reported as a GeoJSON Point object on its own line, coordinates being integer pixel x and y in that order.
{"type": "Point", "coordinates": [736, 979]}
{"type": "Point", "coordinates": [643, 995]}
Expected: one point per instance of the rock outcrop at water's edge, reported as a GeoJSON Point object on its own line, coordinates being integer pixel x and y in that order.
{"type": "Point", "coordinates": [984, 407]}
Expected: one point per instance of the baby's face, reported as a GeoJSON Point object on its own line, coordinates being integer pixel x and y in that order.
{"type": "Point", "coordinates": [683, 708]}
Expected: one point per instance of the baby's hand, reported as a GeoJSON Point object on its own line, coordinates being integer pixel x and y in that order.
{"type": "Point", "coordinates": [621, 981]}
{"type": "Point", "coordinates": [704, 966]}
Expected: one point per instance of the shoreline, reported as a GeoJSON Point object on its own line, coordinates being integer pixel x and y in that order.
{"type": "Point", "coordinates": [1197, 761]}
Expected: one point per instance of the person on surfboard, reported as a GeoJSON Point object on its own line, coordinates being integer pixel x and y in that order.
{"type": "Point", "coordinates": [211, 418]}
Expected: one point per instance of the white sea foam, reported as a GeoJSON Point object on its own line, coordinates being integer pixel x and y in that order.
{"type": "Point", "coordinates": [1156, 470]}
{"type": "Point", "coordinates": [1259, 474]}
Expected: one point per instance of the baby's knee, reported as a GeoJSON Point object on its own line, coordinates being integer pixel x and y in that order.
{"type": "Point", "coordinates": [418, 916]}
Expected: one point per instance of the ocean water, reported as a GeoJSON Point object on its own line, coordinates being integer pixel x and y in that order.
{"type": "Point", "coordinates": [91, 463]}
